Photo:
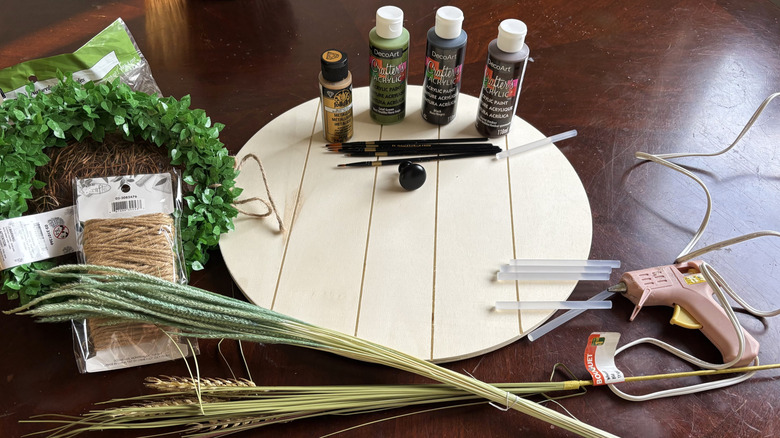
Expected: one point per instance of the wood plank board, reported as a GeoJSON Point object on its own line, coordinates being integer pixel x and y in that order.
{"type": "Point", "coordinates": [411, 270]}
{"type": "Point", "coordinates": [398, 272]}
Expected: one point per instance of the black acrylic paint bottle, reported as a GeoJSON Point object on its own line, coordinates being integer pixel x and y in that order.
{"type": "Point", "coordinates": [504, 71]}
{"type": "Point", "coordinates": [444, 55]}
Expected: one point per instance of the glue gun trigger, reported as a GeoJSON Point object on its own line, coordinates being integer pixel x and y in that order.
{"type": "Point", "coordinates": [682, 318]}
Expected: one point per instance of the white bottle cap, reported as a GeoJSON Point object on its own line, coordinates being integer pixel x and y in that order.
{"type": "Point", "coordinates": [449, 20]}
{"type": "Point", "coordinates": [389, 22]}
{"type": "Point", "coordinates": [511, 35]}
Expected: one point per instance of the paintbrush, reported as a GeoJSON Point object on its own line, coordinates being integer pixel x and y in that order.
{"type": "Point", "coordinates": [464, 147]}
{"type": "Point", "coordinates": [395, 161]}
{"type": "Point", "coordinates": [396, 152]}
{"type": "Point", "coordinates": [404, 143]}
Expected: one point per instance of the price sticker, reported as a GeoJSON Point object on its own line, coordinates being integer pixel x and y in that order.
{"type": "Point", "coordinates": [600, 358]}
{"type": "Point", "coordinates": [36, 237]}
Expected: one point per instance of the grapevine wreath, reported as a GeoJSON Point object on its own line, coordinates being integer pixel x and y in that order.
{"type": "Point", "coordinates": [73, 113]}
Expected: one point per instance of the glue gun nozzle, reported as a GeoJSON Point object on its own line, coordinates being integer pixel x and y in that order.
{"type": "Point", "coordinates": [620, 287]}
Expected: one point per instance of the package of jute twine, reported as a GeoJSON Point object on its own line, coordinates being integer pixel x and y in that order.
{"type": "Point", "coordinates": [120, 124]}
{"type": "Point", "coordinates": [117, 244]}
{"type": "Point", "coordinates": [128, 221]}
{"type": "Point", "coordinates": [144, 242]}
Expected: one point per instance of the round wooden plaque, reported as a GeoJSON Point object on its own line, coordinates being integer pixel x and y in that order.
{"type": "Point", "coordinates": [414, 270]}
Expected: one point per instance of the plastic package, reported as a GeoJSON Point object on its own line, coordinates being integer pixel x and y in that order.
{"type": "Point", "coordinates": [130, 222]}
{"type": "Point", "coordinates": [111, 54]}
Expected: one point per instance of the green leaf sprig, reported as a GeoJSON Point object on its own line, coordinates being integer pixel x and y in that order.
{"type": "Point", "coordinates": [72, 112]}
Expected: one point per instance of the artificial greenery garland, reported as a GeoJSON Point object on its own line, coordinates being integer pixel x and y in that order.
{"type": "Point", "coordinates": [73, 112]}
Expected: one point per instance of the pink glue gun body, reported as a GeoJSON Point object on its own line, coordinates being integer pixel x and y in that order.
{"type": "Point", "coordinates": [684, 288]}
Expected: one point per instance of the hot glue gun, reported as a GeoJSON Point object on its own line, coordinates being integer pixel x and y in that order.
{"type": "Point", "coordinates": [684, 288]}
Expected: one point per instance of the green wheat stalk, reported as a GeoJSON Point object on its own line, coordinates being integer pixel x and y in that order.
{"type": "Point", "coordinates": [228, 406]}
{"type": "Point", "coordinates": [98, 291]}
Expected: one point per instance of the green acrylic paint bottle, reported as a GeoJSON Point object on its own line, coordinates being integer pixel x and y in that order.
{"type": "Point", "coordinates": [388, 61]}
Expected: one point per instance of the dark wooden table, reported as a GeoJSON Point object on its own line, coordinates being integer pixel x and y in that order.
{"type": "Point", "coordinates": [661, 76]}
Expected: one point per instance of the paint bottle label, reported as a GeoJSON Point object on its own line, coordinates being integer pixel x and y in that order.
{"type": "Point", "coordinates": [443, 69]}
{"type": "Point", "coordinates": [498, 99]}
{"type": "Point", "coordinates": [388, 83]}
{"type": "Point", "coordinates": [337, 113]}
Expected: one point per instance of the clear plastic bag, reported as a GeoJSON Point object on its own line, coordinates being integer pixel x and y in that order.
{"type": "Point", "coordinates": [111, 54]}
{"type": "Point", "coordinates": [130, 222]}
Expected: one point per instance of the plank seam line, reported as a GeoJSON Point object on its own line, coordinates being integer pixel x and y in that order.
{"type": "Point", "coordinates": [368, 239]}
{"type": "Point", "coordinates": [295, 210]}
{"type": "Point", "coordinates": [512, 225]}
{"type": "Point", "coordinates": [435, 245]}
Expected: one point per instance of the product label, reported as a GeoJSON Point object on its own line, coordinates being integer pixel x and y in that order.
{"type": "Point", "coordinates": [337, 113]}
{"type": "Point", "coordinates": [105, 57]}
{"type": "Point", "coordinates": [387, 83]}
{"type": "Point", "coordinates": [124, 196]}
{"type": "Point", "coordinates": [37, 237]}
{"type": "Point", "coordinates": [498, 98]}
{"type": "Point", "coordinates": [95, 73]}
{"type": "Point", "coordinates": [600, 358]}
{"type": "Point", "coordinates": [443, 69]}
{"type": "Point", "coordinates": [695, 279]}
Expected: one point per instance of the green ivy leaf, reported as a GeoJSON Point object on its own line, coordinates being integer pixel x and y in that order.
{"type": "Point", "coordinates": [89, 124]}
{"type": "Point", "coordinates": [55, 128]}
{"type": "Point", "coordinates": [73, 111]}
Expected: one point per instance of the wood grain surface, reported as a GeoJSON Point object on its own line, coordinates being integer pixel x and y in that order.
{"type": "Point", "coordinates": [662, 76]}
{"type": "Point", "coordinates": [415, 271]}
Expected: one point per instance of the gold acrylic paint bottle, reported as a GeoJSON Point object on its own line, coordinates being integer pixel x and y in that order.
{"type": "Point", "coordinates": [336, 97]}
